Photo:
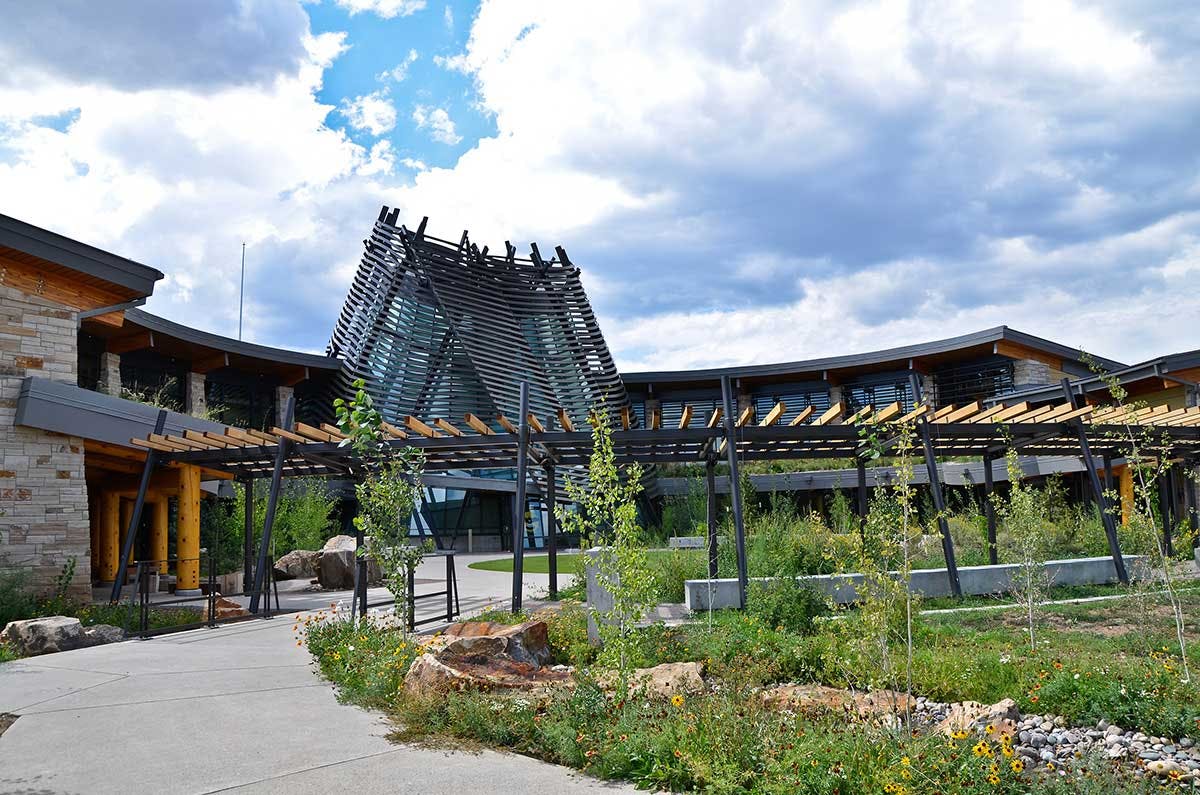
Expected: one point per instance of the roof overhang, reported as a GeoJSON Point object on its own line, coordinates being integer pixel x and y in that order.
{"type": "Point", "coordinates": [132, 277]}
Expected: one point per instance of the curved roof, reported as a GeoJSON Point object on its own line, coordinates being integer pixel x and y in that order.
{"type": "Point", "coordinates": [951, 344]}
{"type": "Point", "coordinates": [179, 331]}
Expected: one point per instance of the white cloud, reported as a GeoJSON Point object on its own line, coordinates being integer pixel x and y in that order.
{"type": "Point", "coordinates": [438, 123]}
{"type": "Point", "coordinates": [399, 72]}
{"type": "Point", "coordinates": [733, 186]}
{"type": "Point", "coordinates": [387, 9]}
{"type": "Point", "coordinates": [372, 112]}
{"type": "Point", "coordinates": [448, 17]}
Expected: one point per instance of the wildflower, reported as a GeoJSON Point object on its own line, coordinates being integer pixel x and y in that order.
{"type": "Point", "coordinates": [904, 760]}
{"type": "Point", "coordinates": [678, 754]}
{"type": "Point", "coordinates": [677, 700]}
{"type": "Point", "coordinates": [959, 735]}
{"type": "Point", "coordinates": [981, 749]}
{"type": "Point", "coordinates": [993, 778]}
{"type": "Point", "coordinates": [1006, 749]}
{"type": "Point", "coordinates": [1017, 765]}
{"type": "Point", "coordinates": [590, 753]}
{"type": "Point", "coordinates": [1033, 699]}
{"type": "Point", "coordinates": [1049, 765]}
{"type": "Point", "coordinates": [904, 774]}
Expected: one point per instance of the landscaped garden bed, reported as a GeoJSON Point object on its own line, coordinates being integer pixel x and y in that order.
{"type": "Point", "coordinates": [1098, 665]}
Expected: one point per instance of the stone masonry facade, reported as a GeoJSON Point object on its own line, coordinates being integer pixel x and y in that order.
{"type": "Point", "coordinates": [43, 496]}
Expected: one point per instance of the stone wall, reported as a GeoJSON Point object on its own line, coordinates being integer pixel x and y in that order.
{"type": "Point", "coordinates": [43, 497]}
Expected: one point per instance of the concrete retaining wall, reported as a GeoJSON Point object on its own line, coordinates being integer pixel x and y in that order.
{"type": "Point", "coordinates": [975, 581]}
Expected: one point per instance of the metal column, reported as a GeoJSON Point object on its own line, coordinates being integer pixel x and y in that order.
{"type": "Point", "coordinates": [551, 530]}
{"type": "Point", "coordinates": [861, 467]}
{"type": "Point", "coordinates": [710, 480]}
{"type": "Point", "coordinates": [135, 518]}
{"type": "Point", "coordinates": [989, 508]}
{"type": "Point", "coordinates": [1089, 463]}
{"type": "Point", "coordinates": [735, 488]}
{"type": "Point", "coordinates": [935, 489]}
{"type": "Point", "coordinates": [248, 539]}
{"type": "Point", "coordinates": [264, 546]}
{"type": "Point", "coordinates": [518, 520]}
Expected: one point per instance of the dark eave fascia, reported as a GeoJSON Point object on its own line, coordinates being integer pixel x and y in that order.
{"type": "Point", "coordinates": [227, 345]}
{"type": "Point", "coordinates": [81, 257]}
{"type": "Point", "coordinates": [1153, 368]}
{"type": "Point", "coordinates": [70, 410]}
{"type": "Point", "coordinates": [904, 353]}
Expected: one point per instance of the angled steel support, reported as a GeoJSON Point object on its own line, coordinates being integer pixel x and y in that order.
{"type": "Point", "coordinates": [735, 488]}
{"type": "Point", "coordinates": [711, 491]}
{"type": "Point", "coordinates": [135, 520]}
{"type": "Point", "coordinates": [518, 520]}
{"type": "Point", "coordinates": [935, 489]}
{"type": "Point", "coordinates": [264, 546]}
{"type": "Point", "coordinates": [1089, 463]}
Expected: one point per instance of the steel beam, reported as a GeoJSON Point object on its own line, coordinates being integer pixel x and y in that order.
{"type": "Point", "coordinates": [248, 536]}
{"type": "Point", "coordinates": [264, 546]}
{"type": "Point", "coordinates": [735, 488]}
{"type": "Point", "coordinates": [935, 490]}
{"type": "Point", "coordinates": [1089, 463]}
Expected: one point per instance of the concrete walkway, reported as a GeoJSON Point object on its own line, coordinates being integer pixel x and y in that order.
{"type": "Point", "coordinates": [232, 709]}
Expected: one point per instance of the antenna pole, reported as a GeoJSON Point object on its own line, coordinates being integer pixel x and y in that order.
{"type": "Point", "coordinates": [241, 292]}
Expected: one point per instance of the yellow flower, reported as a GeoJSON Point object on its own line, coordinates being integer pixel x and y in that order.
{"type": "Point", "coordinates": [677, 700]}
{"type": "Point", "coordinates": [959, 735]}
{"type": "Point", "coordinates": [904, 774]}
{"type": "Point", "coordinates": [1017, 765]}
{"type": "Point", "coordinates": [993, 778]}
{"type": "Point", "coordinates": [1049, 765]}
{"type": "Point", "coordinates": [1006, 749]}
{"type": "Point", "coordinates": [904, 760]}
{"type": "Point", "coordinates": [981, 749]}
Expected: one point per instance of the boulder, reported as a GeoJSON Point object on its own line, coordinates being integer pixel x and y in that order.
{"type": "Point", "coordinates": [99, 634]}
{"type": "Point", "coordinates": [820, 698]}
{"type": "Point", "coordinates": [1001, 717]}
{"type": "Point", "coordinates": [297, 564]}
{"type": "Point", "coordinates": [224, 608]}
{"type": "Point", "coordinates": [480, 655]}
{"type": "Point", "coordinates": [56, 633]}
{"type": "Point", "coordinates": [528, 642]}
{"type": "Point", "coordinates": [335, 566]}
{"type": "Point", "coordinates": [668, 679]}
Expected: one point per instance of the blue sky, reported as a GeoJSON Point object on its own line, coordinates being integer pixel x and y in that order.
{"type": "Point", "coordinates": [794, 180]}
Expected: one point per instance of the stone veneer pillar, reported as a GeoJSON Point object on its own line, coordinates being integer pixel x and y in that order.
{"type": "Point", "coordinates": [282, 395]}
{"type": "Point", "coordinates": [43, 498]}
{"type": "Point", "coordinates": [193, 394]}
{"type": "Point", "coordinates": [110, 374]}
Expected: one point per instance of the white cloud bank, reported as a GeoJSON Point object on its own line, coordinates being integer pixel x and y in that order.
{"type": "Point", "coordinates": [373, 113]}
{"type": "Point", "coordinates": [790, 181]}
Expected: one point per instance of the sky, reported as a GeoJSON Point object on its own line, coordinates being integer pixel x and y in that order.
{"type": "Point", "coordinates": [789, 181]}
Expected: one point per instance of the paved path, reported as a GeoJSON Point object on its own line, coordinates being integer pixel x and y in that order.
{"type": "Point", "coordinates": [233, 709]}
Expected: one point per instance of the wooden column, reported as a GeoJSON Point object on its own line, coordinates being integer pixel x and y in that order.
{"type": "Point", "coordinates": [110, 535]}
{"type": "Point", "coordinates": [187, 534]}
{"type": "Point", "coordinates": [1127, 496]}
{"type": "Point", "coordinates": [126, 515]}
{"type": "Point", "coordinates": [159, 552]}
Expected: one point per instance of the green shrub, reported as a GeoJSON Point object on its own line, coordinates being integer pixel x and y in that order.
{"type": "Point", "coordinates": [17, 602]}
{"type": "Point", "coordinates": [367, 660]}
{"type": "Point", "coordinates": [786, 603]}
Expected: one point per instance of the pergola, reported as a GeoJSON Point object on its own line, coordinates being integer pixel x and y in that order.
{"type": "Point", "coordinates": [555, 442]}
